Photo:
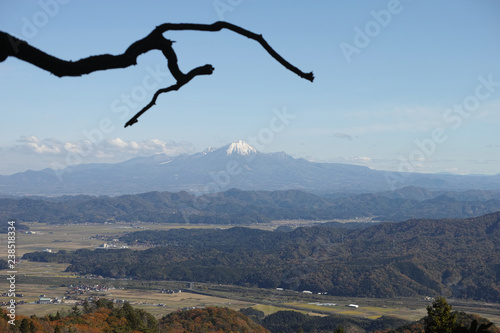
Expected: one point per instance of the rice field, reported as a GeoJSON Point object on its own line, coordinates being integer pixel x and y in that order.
{"type": "Point", "coordinates": [71, 237]}
{"type": "Point", "coordinates": [370, 312]}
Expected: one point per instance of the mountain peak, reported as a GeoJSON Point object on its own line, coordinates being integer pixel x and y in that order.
{"type": "Point", "coordinates": [208, 150]}
{"type": "Point", "coordinates": [240, 147]}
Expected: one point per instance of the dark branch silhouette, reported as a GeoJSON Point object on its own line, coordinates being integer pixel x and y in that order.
{"type": "Point", "coordinates": [11, 46]}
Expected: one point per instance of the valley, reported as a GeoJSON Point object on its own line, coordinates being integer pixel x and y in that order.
{"type": "Point", "coordinates": [358, 254]}
{"type": "Point", "coordinates": [52, 280]}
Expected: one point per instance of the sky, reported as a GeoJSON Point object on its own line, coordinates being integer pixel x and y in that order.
{"type": "Point", "coordinates": [409, 85]}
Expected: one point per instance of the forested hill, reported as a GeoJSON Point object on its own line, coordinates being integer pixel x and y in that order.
{"type": "Point", "coordinates": [246, 207]}
{"type": "Point", "coordinates": [103, 315]}
{"type": "Point", "coordinates": [456, 258]}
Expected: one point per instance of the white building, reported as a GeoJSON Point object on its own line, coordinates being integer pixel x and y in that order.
{"type": "Point", "coordinates": [44, 300]}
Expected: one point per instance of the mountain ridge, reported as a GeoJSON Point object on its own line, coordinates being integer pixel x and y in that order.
{"type": "Point", "coordinates": [238, 207]}
{"type": "Point", "coordinates": [419, 257]}
{"type": "Point", "coordinates": [236, 165]}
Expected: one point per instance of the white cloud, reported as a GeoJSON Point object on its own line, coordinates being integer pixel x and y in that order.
{"type": "Point", "coordinates": [406, 119]}
{"type": "Point", "coordinates": [34, 144]}
{"type": "Point", "coordinates": [31, 152]}
{"type": "Point", "coordinates": [362, 159]}
{"type": "Point", "coordinates": [120, 143]}
{"type": "Point", "coordinates": [358, 160]}
{"type": "Point", "coordinates": [146, 147]}
{"type": "Point", "coordinates": [107, 148]}
{"type": "Point", "coordinates": [342, 136]}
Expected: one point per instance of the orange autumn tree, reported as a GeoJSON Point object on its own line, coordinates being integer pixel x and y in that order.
{"type": "Point", "coordinates": [209, 319]}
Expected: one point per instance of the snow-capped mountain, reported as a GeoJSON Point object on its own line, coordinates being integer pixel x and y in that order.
{"type": "Point", "coordinates": [241, 148]}
{"type": "Point", "coordinates": [236, 165]}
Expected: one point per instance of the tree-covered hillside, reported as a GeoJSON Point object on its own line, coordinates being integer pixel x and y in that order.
{"type": "Point", "coordinates": [210, 319]}
{"type": "Point", "coordinates": [238, 207]}
{"type": "Point", "coordinates": [458, 258]}
{"type": "Point", "coordinates": [103, 316]}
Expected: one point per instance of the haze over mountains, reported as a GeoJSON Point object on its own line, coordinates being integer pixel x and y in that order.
{"type": "Point", "coordinates": [238, 207]}
{"type": "Point", "coordinates": [237, 165]}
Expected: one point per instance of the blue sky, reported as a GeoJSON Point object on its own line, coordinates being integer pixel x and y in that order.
{"type": "Point", "coordinates": [400, 85]}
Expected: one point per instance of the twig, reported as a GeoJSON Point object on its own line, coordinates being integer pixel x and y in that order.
{"type": "Point", "coordinates": [11, 46]}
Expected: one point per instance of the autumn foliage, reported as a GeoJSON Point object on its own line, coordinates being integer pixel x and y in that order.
{"type": "Point", "coordinates": [210, 319]}
{"type": "Point", "coordinates": [100, 316]}
{"type": "Point", "coordinates": [103, 316]}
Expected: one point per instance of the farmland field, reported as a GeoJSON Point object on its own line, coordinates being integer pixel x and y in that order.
{"type": "Point", "coordinates": [50, 279]}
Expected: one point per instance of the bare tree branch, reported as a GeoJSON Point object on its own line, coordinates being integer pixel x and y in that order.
{"type": "Point", "coordinates": [203, 70]}
{"type": "Point", "coordinates": [11, 46]}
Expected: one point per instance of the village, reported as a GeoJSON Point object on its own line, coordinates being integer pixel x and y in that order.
{"type": "Point", "coordinates": [78, 294]}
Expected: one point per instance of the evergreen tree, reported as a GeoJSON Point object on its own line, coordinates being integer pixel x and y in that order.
{"type": "Point", "coordinates": [75, 311]}
{"type": "Point", "coordinates": [131, 316]}
{"type": "Point", "coordinates": [86, 307]}
{"type": "Point", "coordinates": [25, 326]}
{"type": "Point", "coordinates": [104, 303]}
{"type": "Point", "coordinates": [32, 327]}
{"type": "Point", "coordinates": [475, 327]}
{"type": "Point", "coordinates": [339, 329]}
{"type": "Point", "coordinates": [439, 318]}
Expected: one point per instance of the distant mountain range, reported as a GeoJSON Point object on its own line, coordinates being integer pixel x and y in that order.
{"type": "Point", "coordinates": [237, 207]}
{"type": "Point", "coordinates": [237, 165]}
